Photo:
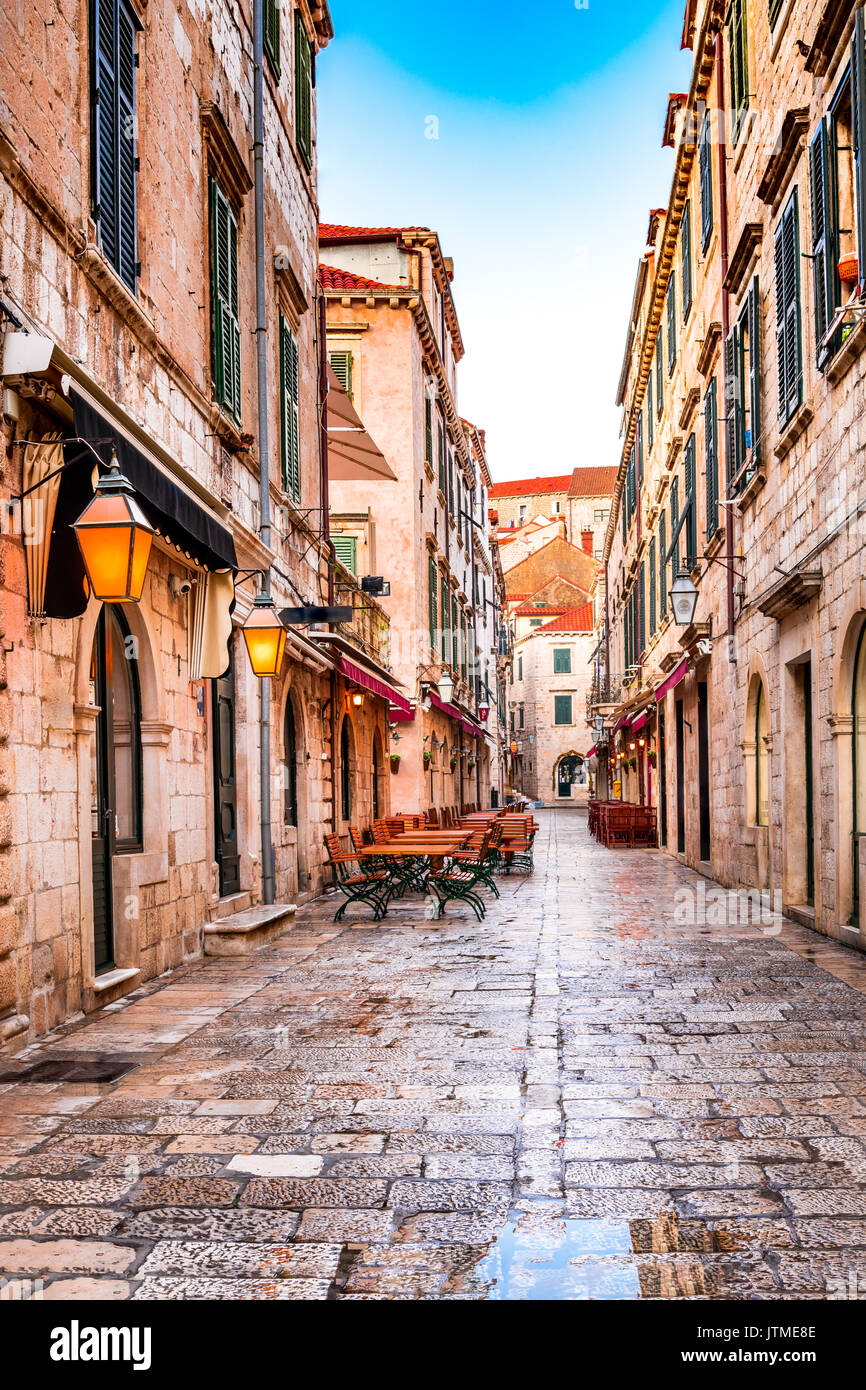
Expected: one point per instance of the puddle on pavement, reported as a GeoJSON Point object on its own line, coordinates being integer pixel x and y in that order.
{"type": "Point", "coordinates": [560, 1259]}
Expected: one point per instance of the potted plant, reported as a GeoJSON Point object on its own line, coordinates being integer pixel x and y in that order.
{"type": "Point", "coordinates": [428, 758]}
{"type": "Point", "coordinates": [632, 762]}
{"type": "Point", "coordinates": [395, 761]}
{"type": "Point", "coordinates": [848, 269]}
{"type": "Point", "coordinates": [470, 765]}
{"type": "Point", "coordinates": [652, 757]}
{"type": "Point", "coordinates": [453, 761]}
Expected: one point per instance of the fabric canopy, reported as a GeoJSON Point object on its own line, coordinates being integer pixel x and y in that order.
{"type": "Point", "coordinates": [638, 723]}
{"type": "Point", "coordinates": [621, 723]}
{"type": "Point", "coordinates": [352, 455]}
{"type": "Point", "coordinates": [368, 681]}
{"type": "Point", "coordinates": [673, 679]}
{"type": "Point", "coordinates": [454, 713]}
{"type": "Point", "coordinates": [37, 519]}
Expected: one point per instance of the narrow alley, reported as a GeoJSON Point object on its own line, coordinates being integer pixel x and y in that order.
{"type": "Point", "coordinates": [598, 1092]}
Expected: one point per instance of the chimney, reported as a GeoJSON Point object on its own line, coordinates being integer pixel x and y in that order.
{"type": "Point", "coordinates": [586, 541]}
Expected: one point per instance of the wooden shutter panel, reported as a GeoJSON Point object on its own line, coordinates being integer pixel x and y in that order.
{"type": "Point", "coordinates": [431, 599]}
{"type": "Point", "coordinates": [346, 550]}
{"type": "Point", "coordinates": [443, 482]}
{"type": "Point", "coordinates": [663, 573]}
{"type": "Point", "coordinates": [428, 428]}
{"type": "Point", "coordinates": [754, 382]}
{"type": "Point", "coordinates": [631, 484]}
{"type": "Point", "coordinates": [271, 34]}
{"type": "Point", "coordinates": [659, 375]}
{"type": "Point", "coordinates": [652, 586]}
{"type": "Point", "coordinates": [303, 91]}
{"type": "Point", "coordinates": [225, 322]}
{"type": "Point", "coordinates": [642, 609]}
{"type": "Point", "coordinates": [126, 158]}
{"type": "Point", "coordinates": [289, 421]}
{"type": "Point", "coordinates": [455, 634]}
{"type": "Point", "coordinates": [649, 411]}
{"type": "Point", "coordinates": [639, 439]}
{"type": "Point", "coordinates": [823, 237]}
{"type": "Point", "coordinates": [712, 460]}
{"type": "Point", "coordinates": [858, 120]}
{"type": "Point", "coordinates": [788, 310]}
{"type": "Point", "coordinates": [686, 259]}
{"type": "Point", "coordinates": [706, 179]}
{"type": "Point", "coordinates": [671, 305]}
{"type": "Point", "coordinates": [732, 412]}
{"type": "Point", "coordinates": [690, 501]}
{"type": "Point", "coordinates": [445, 635]}
{"type": "Point", "coordinates": [104, 97]}
{"type": "Point", "coordinates": [675, 516]}
{"type": "Point", "coordinates": [341, 365]}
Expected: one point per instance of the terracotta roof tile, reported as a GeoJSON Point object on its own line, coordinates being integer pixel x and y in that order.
{"type": "Point", "coordinates": [336, 231]}
{"type": "Point", "coordinates": [572, 620]}
{"type": "Point", "coordinates": [592, 482]}
{"type": "Point", "coordinates": [332, 278]}
{"type": "Point", "coordinates": [532, 487]}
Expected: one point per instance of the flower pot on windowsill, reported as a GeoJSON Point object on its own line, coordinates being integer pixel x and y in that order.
{"type": "Point", "coordinates": [848, 269]}
{"type": "Point", "coordinates": [395, 762]}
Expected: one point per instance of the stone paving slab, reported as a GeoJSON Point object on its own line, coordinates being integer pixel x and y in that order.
{"type": "Point", "coordinates": [577, 1098]}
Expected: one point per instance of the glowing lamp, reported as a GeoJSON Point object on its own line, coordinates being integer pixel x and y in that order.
{"type": "Point", "coordinates": [355, 700]}
{"type": "Point", "coordinates": [114, 537]}
{"type": "Point", "coordinates": [265, 637]}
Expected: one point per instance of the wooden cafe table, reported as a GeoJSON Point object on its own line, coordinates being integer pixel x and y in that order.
{"type": "Point", "coordinates": [401, 856]}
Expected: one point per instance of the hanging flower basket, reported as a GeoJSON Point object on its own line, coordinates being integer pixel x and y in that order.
{"type": "Point", "coordinates": [631, 762]}
{"type": "Point", "coordinates": [848, 269]}
{"type": "Point", "coordinates": [652, 757]}
{"type": "Point", "coordinates": [395, 762]}
{"type": "Point", "coordinates": [470, 765]}
{"type": "Point", "coordinates": [428, 758]}
{"type": "Point", "coordinates": [453, 762]}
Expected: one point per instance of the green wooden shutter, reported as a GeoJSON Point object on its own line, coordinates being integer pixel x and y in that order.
{"type": "Point", "coordinates": [225, 324]}
{"type": "Point", "coordinates": [775, 11]}
{"type": "Point", "coordinates": [346, 550]}
{"type": "Point", "coordinates": [623, 507]}
{"type": "Point", "coordinates": [671, 306]}
{"type": "Point", "coordinates": [113, 160]}
{"type": "Point", "coordinates": [660, 400]}
{"type": "Point", "coordinates": [455, 634]}
{"type": "Point", "coordinates": [341, 365]}
{"type": "Point", "coordinates": [739, 64]}
{"type": "Point", "coordinates": [443, 480]}
{"type": "Point", "coordinates": [289, 415]}
{"type": "Point", "coordinates": [690, 500]}
{"type": "Point", "coordinates": [445, 642]}
{"type": "Point", "coordinates": [428, 428]}
{"type": "Point", "coordinates": [562, 661]}
{"type": "Point", "coordinates": [562, 709]}
{"type": "Point", "coordinates": [823, 239]}
{"type": "Point", "coordinates": [649, 412]}
{"type": "Point", "coordinates": [787, 254]}
{"type": "Point", "coordinates": [733, 395]}
{"type": "Point", "coordinates": [464, 652]}
{"type": "Point", "coordinates": [754, 373]}
{"type": "Point", "coordinates": [631, 484]}
{"type": "Point", "coordinates": [652, 586]}
{"type": "Point", "coordinates": [712, 457]}
{"type": "Point", "coordinates": [663, 569]}
{"type": "Point", "coordinates": [858, 122]}
{"type": "Point", "coordinates": [641, 608]}
{"type": "Point", "coordinates": [639, 439]}
{"type": "Point", "coordinates": [303, 91]}
{"type": "Point", "coordinates": [271, 25]}
{"type": "Point", "coordinates": [431, 599]}
{"type": "Point", "coordinates": [686, 259]}
{"type": "Point", "coordinates": [675, 516]}
{"type": "Point", "coordinates": [706, 178]}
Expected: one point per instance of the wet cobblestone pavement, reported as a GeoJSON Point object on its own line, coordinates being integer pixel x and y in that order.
{"type": "Point", "coordinates": [578, 1098]}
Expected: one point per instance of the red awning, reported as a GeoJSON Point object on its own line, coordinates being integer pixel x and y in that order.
{"type": "Point", "coordinates": [638, 724]}
{"type": "Point", "coordinates": [454, 713]}
{"type": "Point", "coordinates": [368, 681]}
{"type": "Point", "coordinates": [673, 679]}
{"type": "Point", "coordinates": [621, 724]}
{"type": "Point", "coordinates": [591, 752]}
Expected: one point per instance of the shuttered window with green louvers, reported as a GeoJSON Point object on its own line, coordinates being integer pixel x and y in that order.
{"type": "Point", "coordinates": [686, 259]}
{"type": "Point", "coordinates": [346, 550]}
{"type": "Point", "coordinates": [675, 517]}
{"type": "Point", "coordinates": [445, 608]}
{"type": "Point", "coordinates": [660, 399]}
{"type": "Point", "coordinates": [649, 413]}
{"type": "Point", "coordinates": [653, 575]}
{"type": "Point", "coordinates": [639, 441]}
{"type": "Point", "coordinates": [858, 122]}
{"type": "Point", "coordinates": [290, 448]}
{"type": "Point", "coordinates": [641, 609]}
{"type": "Point", "coordinates": [690, 501]}
{"type": "Point", "coordinates": [341, 365]}
{"type": "Point", "coordinates": [671, 310]}
{"type": "Point", "coordinates": [428, 428]}
{"type": "Point", "coordinates": [705, 166]}
{"type": "Point", "coordinates": [788, 338]}
{"type": "Point", "coordinates": [711, 449]}
{"type": "Point", "coordinates": [824, 239]}
{"type": "Point", "coordinates": [663, 569]}
{"type": "Point", "coordinates": [743, 393]}
{"type": "Point", "coordinates": [432, 581]}
{"type": "Point", "coordinates": [303, 91]}
{"type": "Point", "coordinates": [738, 60]}
{"type": "Point", "coordinates": [775, 9]}
{"type": "Point", "coordinates": [631, 486]}
{"type": "Point", "coordinates": [114, 163]}
{"type": "Point", "coordinates": [455, 634]}
{"type": "Point", "coordinates": [443, 480]}
{"type": "Point", "coordinates": [225, 323]}
{"type": "Point", "coordinates": [271, 35]}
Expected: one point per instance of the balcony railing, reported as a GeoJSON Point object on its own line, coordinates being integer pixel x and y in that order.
{"type": "Point", "coordinates": [607, 689]}
{"type": "Point", "coordinates": [370, 628]}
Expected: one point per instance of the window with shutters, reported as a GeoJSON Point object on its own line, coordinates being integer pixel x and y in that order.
{"type": "Point", "coordinates": [641, 609]}
{"type": "Point", "coordinates": [341, 366]}
{"type": "Point", "coordinates": [562, 709]}
{"type": "Point", "coordinates": [858, 143]}
{"type": "Point", "coordinates": [631, 487]}
{"type": "Point", "coordinates": [743, 394]}
{"type": "Point", "coordinates": [428, 425]}
{"type": "Point", "coordinates": [663, 570]}
{"type": "Point", "coordinates": [660, 399]}
{"type": "Point", "coordinates": [113, 161]}
{"type": "Point", "coordinates": [675, 521]}
{"type": "Point", "coordinates": [788, 338]}
{"type": "Point", "coordinates": [443, 480]}
{"type": "Point", "coordinates": [775, 9]}
{"type": "Point", "coordinates": [225, 322]}
{"type": "Point", "coordinates": [652, 585]}
{"type": "Point", "coordinates": [432, 581]}
{"type": "Point", "coordinates": [455, 634]}
{"type": "Point", "coordinates": [638, 434]}
{"type": "Point", "coordinates": [271, 35]}
{"type": "Point", "coordinates": [445, 609]}
{"type": "Point", "coordinates": [711, 451]}
{"type": "Point", "coordinates": [304, 74]}
{"type": "Point", "coordinates": [671, 311]}
{"type": "Point", "coordinates": [562, 661]}
{"type": "Point", "coordinates": [649, 413]}
{"type": "Point", "coordinates": [686, 259]}
{"type": "Point", "coordinates": [738, 62]}
{"type": "Point", "coordinates": [705, 166]}
{"type": "Point", "coordinates": [835, 214]}
{"type": "Point", "coordinates": [290, 448]}
{"type": "Point", "coordinates": [690, 504]}
{"type": "Point", "coordinates": [346, 550]}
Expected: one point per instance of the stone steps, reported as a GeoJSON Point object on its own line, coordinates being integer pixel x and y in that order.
{"type": "Point", "coordinates": [242, 932]}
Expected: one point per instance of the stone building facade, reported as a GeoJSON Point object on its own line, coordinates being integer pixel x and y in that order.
{"type": "Point", "coordinates": [744, 444]}
{"type": "Point", "coordinates": [130, 791]}
{"type": "Point", "coordinates": [578, 503]}
{"type": "Point", "coordinates": [547, 705]}
{"type": "Point", "coordinates": [394, 339]}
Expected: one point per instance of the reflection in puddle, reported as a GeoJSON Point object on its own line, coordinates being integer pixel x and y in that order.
{"type": "Point", "coordinates": [560, 1259]}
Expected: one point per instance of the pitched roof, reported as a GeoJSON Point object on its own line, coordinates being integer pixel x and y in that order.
{"type": "Point", "coordinates": [572, 620]}
{"type": "Point", "coordinates": [592, 482]}
{"type": "Point", "coordinates": [557, 558]}
{"type": "Point", "coordinates": [332, 278]}
{"type": "Point", "coordinates": [531, 487]}
{"type": "Point", "coordinates": [336, 231]}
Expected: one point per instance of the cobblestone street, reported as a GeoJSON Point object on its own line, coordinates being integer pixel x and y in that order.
{"type": "Point", "coordinates": [577, 1098]}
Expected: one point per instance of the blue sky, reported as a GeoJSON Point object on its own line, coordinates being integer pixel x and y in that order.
{"type": "Point", "coordinates": [547, 161]}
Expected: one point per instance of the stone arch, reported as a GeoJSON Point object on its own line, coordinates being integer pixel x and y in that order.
{"type": "Point", "coordinates": [294, 779]}
{"type": "Point", "coordinates": [842, 729]}
{"type": "Point", "coordinates": [378, 774]}
{"type": "Point", "coordinates": [554, 776]}
{"type": "Point", "coordinates": [347, 769]}
{"type": "Point", "coordinates": [757, 763]}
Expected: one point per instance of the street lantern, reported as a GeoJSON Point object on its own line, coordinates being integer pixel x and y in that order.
{"type": "Point", "coordinates": [265, 637]}
{"type": "Point", "coordinates": [355, 700]}
{"type": "Point", "coordinates": [446, 688]}
{"type": "Point", "coordinates": [114, 537]}
{"type": "Point", "coordinates": [684, 599]}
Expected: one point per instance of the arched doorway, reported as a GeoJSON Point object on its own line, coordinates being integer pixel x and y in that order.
{"type": "Point", "coordinates": [115, 766]}
{"type": "Point", "coordinates": [858, 764]}
{"type": "Point", "coordinates": [570, 772]}
{"type": "Point", "coordinates": [290, 767]}
{"type": "Point", "coordinates": [378, 777]}
{"type": "Point", "coordinates": [347, 758]}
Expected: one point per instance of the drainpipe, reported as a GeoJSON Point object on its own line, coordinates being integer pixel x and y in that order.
{"type": "Point", "coordinates": [326, 529]}
{"type": "Point", "coordinates": [726, 312]}
{"type": "Point", "coordinates": [268, 879]}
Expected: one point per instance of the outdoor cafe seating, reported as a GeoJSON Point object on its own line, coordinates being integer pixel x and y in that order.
{"type": "Point", "coordinates": [623, 823]}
